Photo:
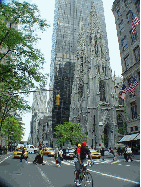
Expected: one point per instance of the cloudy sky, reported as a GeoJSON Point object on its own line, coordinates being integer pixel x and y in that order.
{"type": "Point", "coordinates": [46, 8]}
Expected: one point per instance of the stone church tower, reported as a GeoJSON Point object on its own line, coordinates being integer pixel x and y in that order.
{"type": "Point", "coordinates": [92, 104]}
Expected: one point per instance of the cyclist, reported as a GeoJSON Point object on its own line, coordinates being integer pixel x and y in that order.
{"type": "Point", "coordinates": [81, 155]}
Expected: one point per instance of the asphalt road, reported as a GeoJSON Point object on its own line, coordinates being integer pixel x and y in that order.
{"type": "Point", "coordinates": [107, 173]}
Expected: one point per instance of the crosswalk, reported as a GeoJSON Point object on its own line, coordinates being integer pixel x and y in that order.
{"type": "Point", "coordinates": [96, 162]}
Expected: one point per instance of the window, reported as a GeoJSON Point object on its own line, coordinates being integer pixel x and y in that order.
{"type": "Point", "coordinates": [138, 73]}
{"type": "Point", "coordinates": [131, 129]}
{"type": "Point", "coordinates": [118, 12]}
{"type": "Point", "coordinates": [137, 54]}
{"type": "Point", "coordinates": [129, 17]}
{"type": "Point", "coordinates": [127, 62]}
{"type": "Point", "coordinates": [133, 35]}
{"type": "Point", "coordinates": [124, 43]}
{"type": "Point", "coordinates": [137, 4]}
{"type": "Point", "coordinates": [133, 110]}
{"type": "Point", "coordinates": [136, 128]}
{"type": "Point", "coordinates": [121, 26]}
{"type": "Point", "coordinates": [102, 91]}
{"type": "Point", "coordinates": [126, 2]}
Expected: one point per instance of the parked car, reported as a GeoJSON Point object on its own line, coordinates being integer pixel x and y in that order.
{"type": "Point", "coordinates": [18, 152]}
{"type": "Point", "coordinates": [70, 153]}
{"type": "Point", "coordinates": [95, 154]}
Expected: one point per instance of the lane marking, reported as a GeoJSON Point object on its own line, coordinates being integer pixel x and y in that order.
{"type": "Point", "coordinates": [112, 176]}
{"type": "Point", "coordinates": [5, 159]}
{"type": "Point", "coordinates": [44, 176]}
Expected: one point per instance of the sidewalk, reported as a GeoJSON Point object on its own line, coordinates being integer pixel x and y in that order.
{"type": "Point", "coordinates": [135, 157]}
{"type": "Point", "coordinates": [5, 155]}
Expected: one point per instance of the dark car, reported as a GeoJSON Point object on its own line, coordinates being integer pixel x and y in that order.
{"type": "Point", "coordinates": [70, 153]}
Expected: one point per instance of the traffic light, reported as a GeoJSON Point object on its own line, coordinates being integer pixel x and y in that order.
{"type": "Point", "coordinates": [58, 100]}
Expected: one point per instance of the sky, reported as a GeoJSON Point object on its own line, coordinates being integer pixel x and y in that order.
{"type": "Point", "coordinates": [46, 8]}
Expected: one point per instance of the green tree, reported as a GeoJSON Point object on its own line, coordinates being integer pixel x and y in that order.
{"type": "Point", "coordinates": [12, 128]}
{"type": "Point", "coordinates": [69, 132]}
{"type": "Point", "coordinates": [21, 62]}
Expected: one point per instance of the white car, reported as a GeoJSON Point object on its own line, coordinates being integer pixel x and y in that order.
{"type": "Point", "coordinates": [31, 149]}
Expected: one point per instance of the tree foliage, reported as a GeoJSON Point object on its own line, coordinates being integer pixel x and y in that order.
{"type": "Point", "coordinates": [69, 132]}
{"type": "Point", "coordinates": [21, 62]}
{"type": "Point", "coordinates": [12, 128]}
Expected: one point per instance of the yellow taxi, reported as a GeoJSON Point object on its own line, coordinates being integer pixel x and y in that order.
{"type": "Point", "coordinates": [18, 152]}
{"type": "Point", "coordinates": [47, 150]}
{"type": "Point", "coordinates": [95, 154]}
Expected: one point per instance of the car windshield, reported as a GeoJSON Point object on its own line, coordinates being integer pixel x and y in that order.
{"type": "Point", "coordinates": [20, 150]}
{"type": "Point", "coordinates": [92, 150]}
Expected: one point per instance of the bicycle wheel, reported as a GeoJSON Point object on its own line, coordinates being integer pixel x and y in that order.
{"type": "Point", "coordinates": [75, 176]}
{"type": "Point", "coordinates": [87, 180]}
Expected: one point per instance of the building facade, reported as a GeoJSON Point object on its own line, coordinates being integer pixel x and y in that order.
{"type": "Point", "coordinates": [39, 110]}
{"type": "Point", "coordinates": [94, 96]}
{"type": "Point", "coordinates": [129, 45]}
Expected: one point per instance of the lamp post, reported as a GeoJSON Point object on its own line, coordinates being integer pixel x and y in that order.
{"type": "Point", "coordinates": [94, 132]}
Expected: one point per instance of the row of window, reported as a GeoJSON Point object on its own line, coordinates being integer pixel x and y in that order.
{"type": "Point", "coordinates": [127, 59]}
{"type": "Point", "coordinates": [126, 2]}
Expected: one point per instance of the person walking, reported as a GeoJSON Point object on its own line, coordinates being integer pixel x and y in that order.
{"type": "Point", "coordinates": [102, 152]}
{"type": "Point", "coordinates": [129, 153]}
{"type": "Point", "coordinates": [112, 151]}
{"type": "Point", "coordinates": [41, 153]}
{"type": "Point", "coordinates": [22, 155]}
{"type": "Point", "coordinates": [56, 154]}
{"type": "Point", "coordinates": [64, 153]}
{"type": "Point", "coordinates": [61, 154]}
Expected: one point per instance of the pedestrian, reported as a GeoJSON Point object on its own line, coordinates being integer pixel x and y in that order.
{"type": "Point", "coordinates": [56, 154]}
{"type": "Point", "coordinates": [129, 153]}
{"type": "Point", "coordinates": [61, 154]}
{"type": "Point", "coordinates": [22, 155]}
{"type": "Point", "coordinates": [112, 151]}
{"type": "Point", "coordinates": [41, 153]}
{"type": "Point", "coordinates": [64, 153]}
{"type": "Point", "coordinates": [102, 152]}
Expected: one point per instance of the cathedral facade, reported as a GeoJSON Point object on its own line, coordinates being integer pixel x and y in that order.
{"type": "Point", "coordinates": [92, 101]}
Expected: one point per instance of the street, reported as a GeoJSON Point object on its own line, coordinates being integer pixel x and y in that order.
{"type": "Point", "coordinates": [107, 173]}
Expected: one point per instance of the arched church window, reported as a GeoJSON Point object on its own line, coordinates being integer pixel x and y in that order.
{"type": "Point", "coordinates": [102, 91]}
{"type": "Point", "coordinates": [96, 45]}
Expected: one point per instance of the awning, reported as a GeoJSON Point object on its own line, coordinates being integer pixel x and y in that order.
{"type": "Point", "coordinates": [137, 137]}
{"type": "Point", "coordinates": [128, 138]}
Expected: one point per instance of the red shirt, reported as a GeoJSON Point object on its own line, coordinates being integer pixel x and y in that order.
{"type": "Point", "coordinates": [78, 150]}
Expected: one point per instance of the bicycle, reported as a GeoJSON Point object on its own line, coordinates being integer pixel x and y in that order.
{"type": "Point", "coordinates": [85, 178]}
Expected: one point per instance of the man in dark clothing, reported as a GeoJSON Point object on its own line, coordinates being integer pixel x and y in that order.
{"type": "Point", "coordinates": [102, 153]}
{"type": "Point", "coordinates": [22, 155]}
{"type": "Point", "coordinates": [81, 155]}
{"type": "Point", "coordinates": [64, 153]}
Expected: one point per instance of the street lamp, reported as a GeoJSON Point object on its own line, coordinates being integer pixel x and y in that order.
{"type": "Point", "coordinates": [94, 132]}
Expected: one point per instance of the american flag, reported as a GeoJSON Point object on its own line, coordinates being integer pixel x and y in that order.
{"type": "Point", "coordinates": [123, 92]}
{"type": "Point", "coordinates": [135, 21]}
{"type": "Point", "coordinates": [133, 85]}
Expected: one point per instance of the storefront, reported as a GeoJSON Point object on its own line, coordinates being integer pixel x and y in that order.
{"type": "Point", "coordinates": [132, 140]}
